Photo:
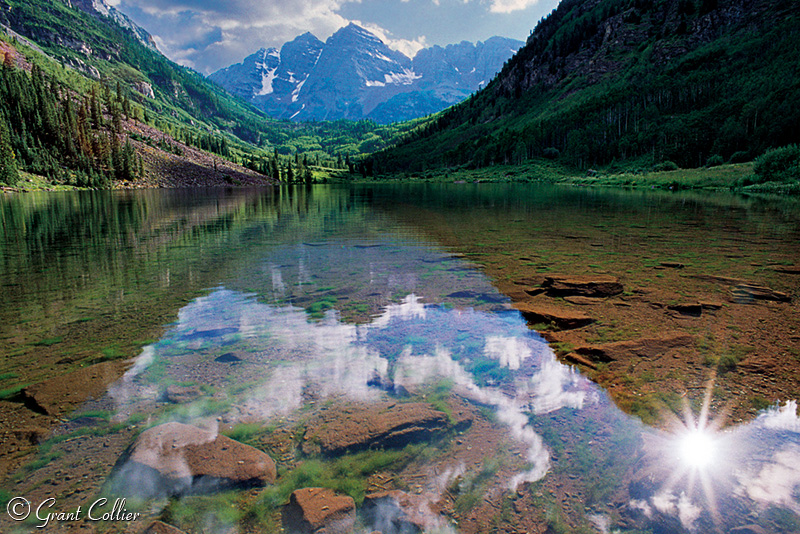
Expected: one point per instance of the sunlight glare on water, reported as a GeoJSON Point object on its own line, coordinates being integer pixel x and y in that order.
{"type": "Point", "coordinates": [698, 448]}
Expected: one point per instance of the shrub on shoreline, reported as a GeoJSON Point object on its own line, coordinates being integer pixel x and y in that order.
{"type": "Point", "coordinates": [779, 165]}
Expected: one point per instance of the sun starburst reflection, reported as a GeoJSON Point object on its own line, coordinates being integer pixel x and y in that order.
{"type": "Point", "coordinates": [693, 460]}
{"type": "Point", "coordinates": [697, 448]}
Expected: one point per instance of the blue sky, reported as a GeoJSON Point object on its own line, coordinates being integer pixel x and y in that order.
{"type": "Point", "coordinates": [210, 34]}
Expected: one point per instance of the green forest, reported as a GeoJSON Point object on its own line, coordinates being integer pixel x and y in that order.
{"type": "Point", "coordinates": [616, 85]}
{"type": "Point", "coordinates": [629, 84]}
{"type": "Point", "coordinates": [46, 131]}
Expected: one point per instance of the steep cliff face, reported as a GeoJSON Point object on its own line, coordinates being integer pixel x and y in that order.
{"type": "Point", "coordinates": [100, 7]}
{"type": "Point", "coordinates": [602, 81]}
{"type": "Point", "coordinates": [596, 38]}
{"type": "Point", "coordinates": [272, 79]}
{"type": "Point", "coordinates": [250, 77]}
{"type": "Point", "coordinates": [355, 71]}
{"type": "Point", "coordinates": [354, 75]}
{"type": "Point", "coordinates": [464, 65]}
{"type": "Point", "coordinates": [297, 60]}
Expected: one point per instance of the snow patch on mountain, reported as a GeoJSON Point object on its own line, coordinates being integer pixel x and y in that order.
{"type": "Point", "coordinates": [266, 82]}
{"type": "Point", "coordinates": [355, 75]}
{"type": "Point", "coordinates": [407, 77]}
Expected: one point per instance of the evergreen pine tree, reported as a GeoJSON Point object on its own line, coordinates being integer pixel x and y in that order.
{"type": "Point", "coordinates": [8, 161]}
{"type": "Point", "coordinates": [275, 169]}
{"type": "Point", "coordinates": [116, 118]}
{"type": "Point", "coordinates": [94, 108]}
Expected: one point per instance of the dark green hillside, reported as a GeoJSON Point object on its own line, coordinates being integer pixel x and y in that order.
{"type": "Point", "coordinates": [647, 83]}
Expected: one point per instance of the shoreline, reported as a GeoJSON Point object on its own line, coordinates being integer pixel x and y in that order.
{"type": "Point", "coordinates": [720, 179]}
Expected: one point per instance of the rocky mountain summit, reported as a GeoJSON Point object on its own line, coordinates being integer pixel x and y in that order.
{"type": "Point", "coordinates": [354, 75]}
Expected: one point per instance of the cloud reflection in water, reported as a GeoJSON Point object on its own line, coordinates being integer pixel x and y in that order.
{"type": "Point", "coordinates": [491, 358]}
{"type": "Point", "coordinates": [335, 359]}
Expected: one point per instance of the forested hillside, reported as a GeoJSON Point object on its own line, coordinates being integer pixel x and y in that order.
{"type": "Point", "coordinates": [650, 83]}
{"type": "Point", "coordinates": [93, 78]}
{"type": "Point", "coordinates": [54, 136]}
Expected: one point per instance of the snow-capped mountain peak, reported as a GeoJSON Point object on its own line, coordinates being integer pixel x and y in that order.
{"type": "Point", "coordinates": [355, 75]}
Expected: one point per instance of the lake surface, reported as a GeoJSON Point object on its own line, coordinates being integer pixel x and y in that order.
{"type": "Point", "coordinates": [274, 308]}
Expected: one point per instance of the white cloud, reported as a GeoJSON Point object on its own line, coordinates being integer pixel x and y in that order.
{"type": "Point", "coordinates": [782, 418]}
{"type": "Point", "coordinates": [601, 521]}
{"type": "Point", "coordinates": [687, 512]}
{"type": "Point", "coordinates": [664, 502]}
{"type": "Point", "coordinates": [667, 503]}
{"type": "Point", "coordinates": [214, 34]}
{"type": "Point", "coordinates": [406, 47]}
{"type": "Point", "coordinates": [643, 506]}
{"type": "Point", "coordinates": [777, 481]}
{"type": "Point", "coordinates": [173, 50]}
{"type": "Point", "coordinates": [509, 6]}
{"type": "Point", "coordinates": [210, 35]}
{"type": "Point", "coordinates": [509, 350]}
{"type": "Point", "coordinates": [556, 386]}
{"type": "Point", "coordinates": [420, 369]}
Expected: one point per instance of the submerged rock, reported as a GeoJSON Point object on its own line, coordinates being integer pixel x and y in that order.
{"type": "Point", "coordinates": [355, 428]}
{"type": "Point", "coordinates": [182, 394]}
{"type": "Point", "coordinates": [175, 459]}
{"type": "Point", "coordinates": [395, 512]}
{"type": "Point", "coordinates": [720, 279]}
{"type": "Point", "coordinates": [748, 529]}
{"type": "Point", "coordinates": [561, 317]}
{"type": "Point", "coordinates": [586, 285]}
{"type": "Point", "coordinates": [59, 395]}
{"type": "Point", "coordinates": [377, 380]}
{"type": "Point", "coordinates": [747, 293]}
{"type": "Point", "coordinates": [788, 269]}
{"type": "Point", "coordinates": [317, 510]}
{"type": "Point", "coordinates": [580, 360]}
{"type": "Point", "coordinates": [228, 358]}
{"type": "Point", "coordinates": [648, 348]}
